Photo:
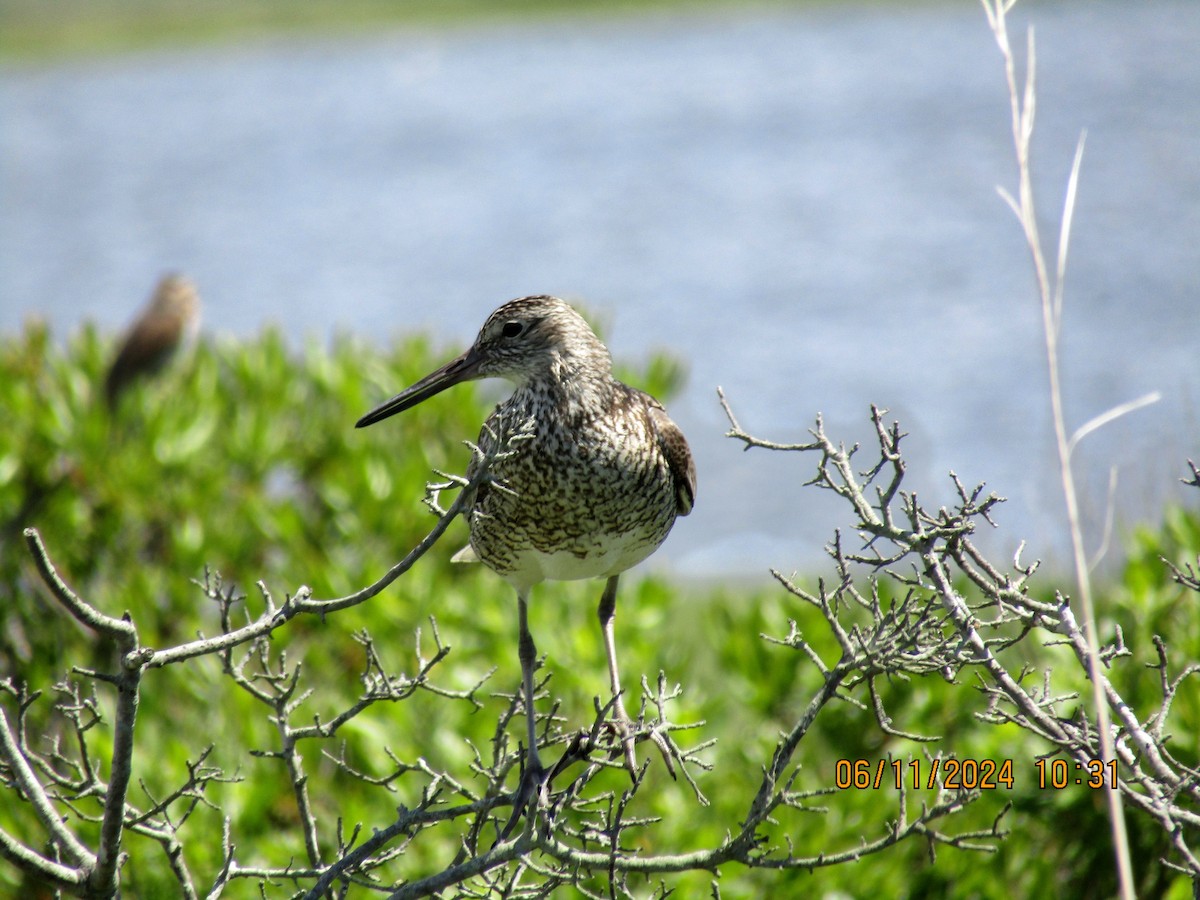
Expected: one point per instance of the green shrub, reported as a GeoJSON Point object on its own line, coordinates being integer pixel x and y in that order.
{"type": "Point", "coordinates": [243, 461]}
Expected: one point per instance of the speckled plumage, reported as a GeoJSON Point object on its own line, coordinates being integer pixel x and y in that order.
{"type": "Point", "coordinates": [592, 491]}
{"type": "Point", "coordinates": [597, 487]}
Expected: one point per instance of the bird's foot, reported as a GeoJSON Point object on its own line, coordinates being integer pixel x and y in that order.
{"type": "Point", "coordinates": [530, 795]}
{"type": "Point", "coordinates": [627, 732]}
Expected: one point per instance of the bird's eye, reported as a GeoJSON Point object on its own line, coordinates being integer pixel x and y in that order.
{"type": "Point", "coordinates": [512, 329]}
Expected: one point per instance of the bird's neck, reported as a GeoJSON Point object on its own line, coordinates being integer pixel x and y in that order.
{"type": "Point", "coordinates": [578, 391]}
{"type": "Point", "coordinates": [583, 382]}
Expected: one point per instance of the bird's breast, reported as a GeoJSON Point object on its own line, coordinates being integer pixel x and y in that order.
{"type": "Point", "coordinates": [588, 499]}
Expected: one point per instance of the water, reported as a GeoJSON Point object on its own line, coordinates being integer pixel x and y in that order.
{"type": "Point", "coordinates": [801, 205]}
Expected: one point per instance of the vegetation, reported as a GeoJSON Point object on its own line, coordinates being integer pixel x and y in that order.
{"type": "Point", "coordinates": [245, 462]}
{"type": "Point", "coordinates": [180, 714]}
{"type": "Point", "coordinates": [32, 29]}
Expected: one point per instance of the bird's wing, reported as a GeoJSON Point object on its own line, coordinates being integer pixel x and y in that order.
{"type": "Point", "coordinates": [145, 350]}
{"type": "Point", "coordinates": [675, 448]}
{"type": "Point", "coordinates": [150, 343]}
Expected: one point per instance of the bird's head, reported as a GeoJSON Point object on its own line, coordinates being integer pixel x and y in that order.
{"type": "Point", "coordinates": [176, 297]}
{"type": "Point", "coordinates": [529, 339]}
{"type": "Point", "coordinates": [534, 338]}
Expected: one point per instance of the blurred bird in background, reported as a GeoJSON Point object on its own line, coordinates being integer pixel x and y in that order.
{"type": "Point", "coordinates": [170, 320]}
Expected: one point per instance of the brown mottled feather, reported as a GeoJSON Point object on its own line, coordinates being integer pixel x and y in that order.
{"type": "Point", "coordinates": [679, 455]}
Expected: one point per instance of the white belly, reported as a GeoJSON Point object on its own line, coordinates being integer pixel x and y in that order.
{"type": "Point", "coordinates": [612, 558]}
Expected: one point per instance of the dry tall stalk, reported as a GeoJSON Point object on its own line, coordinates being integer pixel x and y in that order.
{"type": "Point", "coordinates": [1050, 294]}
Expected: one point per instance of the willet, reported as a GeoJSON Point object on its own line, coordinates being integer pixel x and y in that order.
{"type": "Point", "coordinates": [592, 491]}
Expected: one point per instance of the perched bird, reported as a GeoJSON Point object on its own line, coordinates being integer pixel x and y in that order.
{"type": "Point", "coordinates": [170, 319]}
{"type": "Point", "coordinates": [592, 491]}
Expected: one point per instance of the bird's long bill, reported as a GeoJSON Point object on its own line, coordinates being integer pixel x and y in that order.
{"type": "Point", "coordinates": [464, 368]}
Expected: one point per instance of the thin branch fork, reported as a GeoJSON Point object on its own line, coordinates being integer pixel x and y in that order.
{"type": "Point", "coordinates": [302, 602]}
{"type": "Point", "coordinates": [1151, 778]}
{"type": "Point", "coordinates": [98, 874]}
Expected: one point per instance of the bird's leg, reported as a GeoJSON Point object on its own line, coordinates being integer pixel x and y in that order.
{"type": "Point", "coordinates": [528, 653]}
{"type": "Point", "coordinates": [607, 612]}
{"type": "Point", "coordinates": [625, 725]}
{"type": "Point", "coordinates": [533, 774]}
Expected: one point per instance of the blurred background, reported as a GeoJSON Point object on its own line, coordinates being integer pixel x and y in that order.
{"type": "Point", "coordinates": [797, 201]}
